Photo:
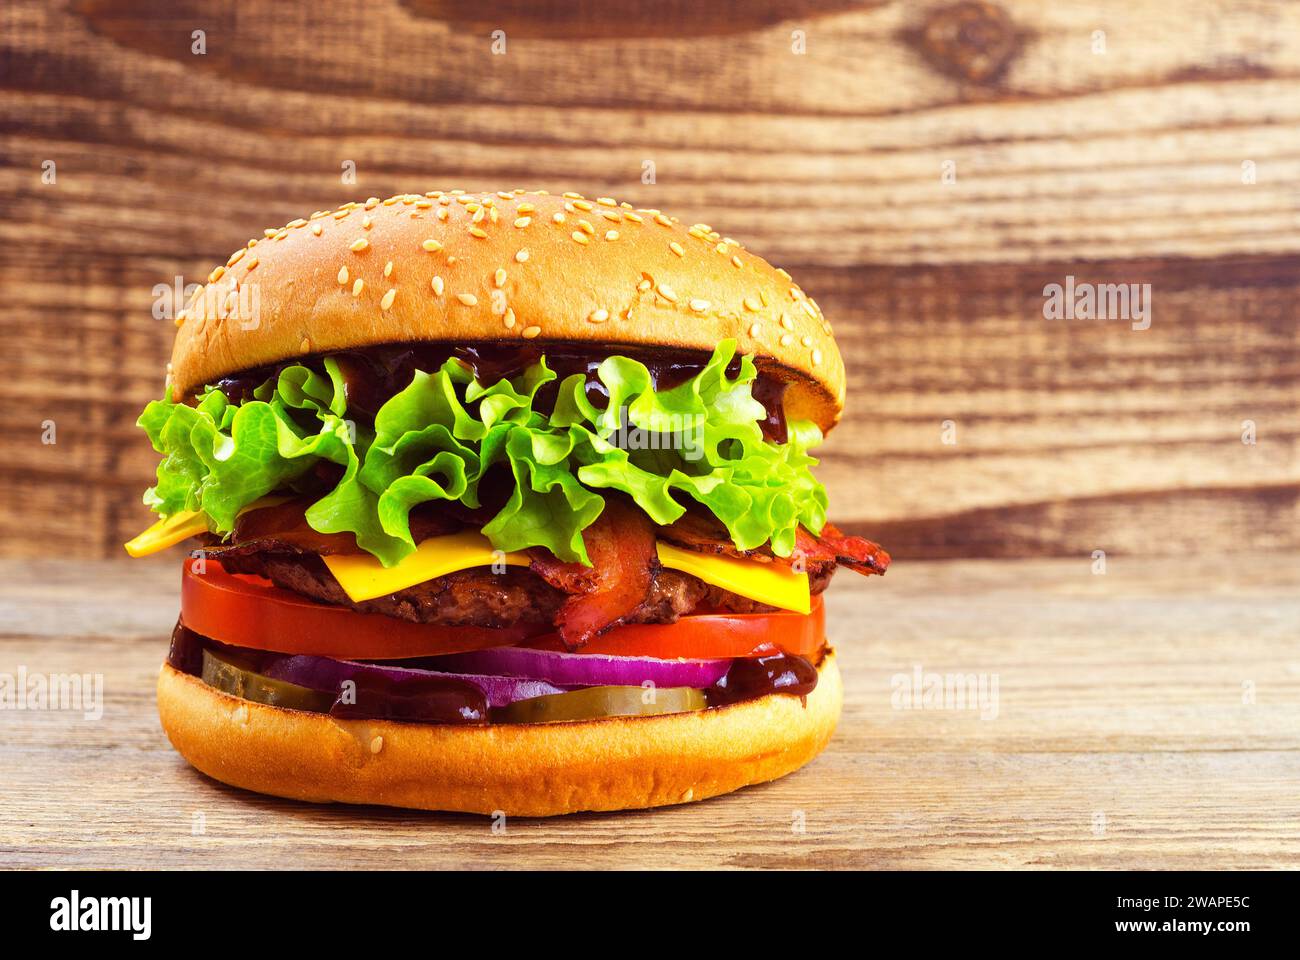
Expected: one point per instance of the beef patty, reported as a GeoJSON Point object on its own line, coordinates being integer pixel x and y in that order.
{"type": "Point", "coordinates": [479, 597]}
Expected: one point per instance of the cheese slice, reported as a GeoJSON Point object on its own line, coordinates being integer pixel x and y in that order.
{"type": "Point", "coordinates": [771, 583]}
{"type": "Point", "coordinates": [363, 577]}
{"type": "Point", "coordinates": [168, 531]}
{"type": "Point", "coordinates": [181, 526]}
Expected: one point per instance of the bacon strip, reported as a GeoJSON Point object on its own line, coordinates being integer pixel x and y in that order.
{"type": "Point", "coordinates": [284, 529]}
{"type": "Point", "coordinates": [857, 553]}
{"type": "Point", "coordinates": [621, 547]}
{"type": "Point", "coordinates": [704, 534]}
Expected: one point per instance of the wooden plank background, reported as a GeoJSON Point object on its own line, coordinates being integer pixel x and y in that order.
{"type": "Point", "coordinates": [1105, 140]}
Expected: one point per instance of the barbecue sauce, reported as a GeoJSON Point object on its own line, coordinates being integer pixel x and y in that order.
{"type": "Point", "coordinates": [755, 677]}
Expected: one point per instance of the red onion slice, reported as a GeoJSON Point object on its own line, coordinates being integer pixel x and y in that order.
{"type": "Point", "coordinates": [584, 669]}
{"type": "Point", "coordinates": [323, 673]}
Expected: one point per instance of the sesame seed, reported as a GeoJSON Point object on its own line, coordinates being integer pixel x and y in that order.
{"type": "Point", "coordinates": [676, 248]}
{"type": "Point", "coordinates": [736, 262]}
{"type": "Point", "coordinates": [606, 202]}
{"type": "Point", "coordinates": [442, 213]}
{"type": "Point", "coordinates": [667, 293]}
{"type": "Point", "coordinates": [467, 298]}
{"type": "Point", "coordinates": [388, 269]}
{"type": "Point", "coordinates": [431, 245]}
{"type": "Point", "coordinates": [521, 256]}
{"type": "Point", "coordinates": [216, 274]}
{"type": "Point", "coordinates": [586, 228]}
{"type": "Point", "coordinates": [343, 275]}
{"type": "Point", "coordinates": [805, 340]}
{"type": "Point", "coordinates": [510, 318]}
{"type": "Point", "coordinates": [699, 306]}
{"type": "Point", "coordinates": [376, 744]}
{"type": "Point", "coordinates": [234, 257]}
{"type": "Point", "coordinates": [611, 234]}
{"type": "Point", "coordinates": [525, 208]}
{"type": "Point", "coordinates": [661, 219]}
{"type": "Point", "coordinates": [557, 217]}
{"type": "Point", "coordinates": [268, 232]}
{"type": "Point", "coordinates": [295, 224]}
{"type": "Point", "coordinates": [341, 214]}
{"type": "Point", "coordinates": [493, 215]}
{"type": "Point", "coordinates": [755, 329]}
{"type": "Point", "coordinates": [573, 196]}
{"type": "Point", "coordinates": [478, 215]}
{"type": "Point", "coordinates": [499, 278]}
{"type": "Point", "coordinates": [478, 232]}
{"type": "Point", "coordinates": [644, 285]}
{"type": "Point", "coordinates": [531, 332]}
{"type": "Point", "coordinates": [305, 346]}
{"type": "Point", "coordinates": [579, 236]}
{"type": "Point", "coordinates": [787, 322]}
{"type": "Point", "coordinates": [367, 223]}
{"type": "Point", "coordinates": [782, 273]}
{"type": "Point", "coordinates": [372, 202]}
{"type": "Point", "coordinates": [251, 264]}
{"type": "Point", "coordinates": [316, 229]}
{"type": "Point", "coordinates": [634, 218]}
{"type": "Point", "coordinates": [762, 295]}
{"type": "Point", "coordinates": [808, 308]}
{"type": "Point", "coordinates": [752, 304]}
{"type": "Point", "coordinates": [436, 283]}
{"type": "Point", "coordinates": [356, 287]}
{"type": "Point", "coordinates": [611, 215]}
{"type": "Point", "coordinates": [598, 316]}
{"type": "Point", "coordinates": [816, 357]}
{"type": "Point", "coordinates": [786, 339]}
{"type": "Point", "coordinates": [388, 299]}
{"type": "Point", "coordinates": [582, 204]}
{"type": "Point", "coordinates": [359, 244]}
{"type": "Point", "coordinates": [522, 222]}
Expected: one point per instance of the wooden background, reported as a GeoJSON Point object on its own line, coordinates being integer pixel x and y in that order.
{"type": "Point", "coordinates": [1119, 166]}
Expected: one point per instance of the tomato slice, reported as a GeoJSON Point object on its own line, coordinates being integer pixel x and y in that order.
{"type": "Point", "coordinates": [705, 636]}
{"type": "Point", "coordinates": [247, 611]}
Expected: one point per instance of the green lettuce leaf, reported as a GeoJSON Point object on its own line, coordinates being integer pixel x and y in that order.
{"type": "Point", "coordinates": [437, 439]}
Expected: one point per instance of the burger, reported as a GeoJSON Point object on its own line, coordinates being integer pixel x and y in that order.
{"type": "Point", "coordinates": [499, 503]}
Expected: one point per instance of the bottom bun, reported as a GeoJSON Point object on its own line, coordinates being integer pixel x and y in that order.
{"type": "Point", "coordinates": [620, 763]}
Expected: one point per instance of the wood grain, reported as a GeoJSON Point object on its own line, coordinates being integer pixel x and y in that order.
{"type": "Point", "coordinates": [1124, 738]}
{"type": "Point", "coordinates": [1119, 166]}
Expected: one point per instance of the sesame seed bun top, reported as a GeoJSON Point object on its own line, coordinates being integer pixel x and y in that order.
{"type": "Point", "coordinates": [509, 266]}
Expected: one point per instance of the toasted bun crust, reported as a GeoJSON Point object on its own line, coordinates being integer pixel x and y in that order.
{"type": "Point", "coordinates": [448, 267]}
{"type": "Point", "coordinates": [521, 770]}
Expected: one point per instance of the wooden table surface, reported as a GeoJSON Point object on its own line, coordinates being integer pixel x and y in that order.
{"type": "Point", "coordinates": [1147, 717]}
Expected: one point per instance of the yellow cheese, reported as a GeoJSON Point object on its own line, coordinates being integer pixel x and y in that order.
{"type": "Point", "coordinates": [164, 533]}
{"type": "Point", "coordinates": [771, 583]}
{"type": "Point", "coordinates": [181, 526]}
{"type": "Point", "coordinates": [363, 577]}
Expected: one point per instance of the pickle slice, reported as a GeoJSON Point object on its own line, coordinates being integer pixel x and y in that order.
{"type": "Point", "coordinates": [593, 702]}
{"type": "Point", "coordinates": [229, 676]}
